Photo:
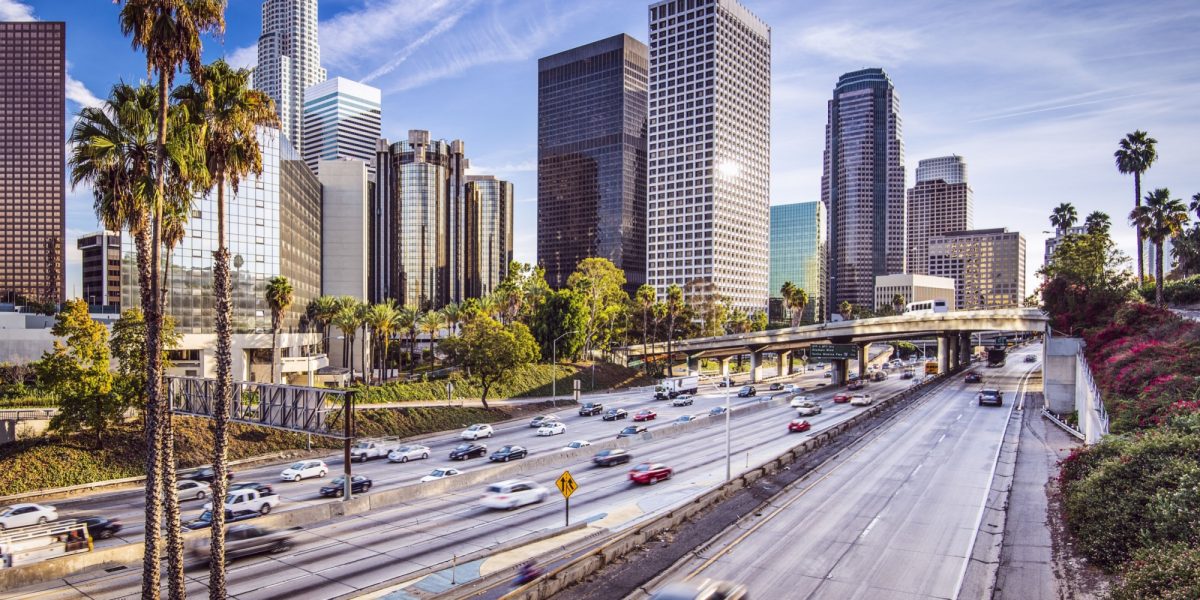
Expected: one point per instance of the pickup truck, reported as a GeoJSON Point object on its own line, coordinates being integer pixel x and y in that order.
{"type": "Point", "coordinates": [366, 450]}
{"type": "Point", "coordinates": [590, 408]}
{"type": "Point", "coordinates": [248, 499]}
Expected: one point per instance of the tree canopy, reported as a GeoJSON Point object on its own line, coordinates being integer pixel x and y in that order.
{"type": "Point", "coordinates": [489, 351]}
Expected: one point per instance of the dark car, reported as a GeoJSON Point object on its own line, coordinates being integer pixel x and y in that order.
{"type": "Point", "coordinates": [856, 385]}
{"type": "Point", "coordinates": [100, 528]}
{"type": "Point", "coordinates": [828, 374]}
{"type": "Point", "coordinates": [262, 488]}
{"type": "Point", "coordinates": [716, 411]}
{"type": "Point", "coordinates": [206, 474]}
{"type": "Point", "coordinates": [747, 391]}
{"type": "Point", "coordinates": [614, 456]}
{"type": "Point", "coordinates": [359, 484]}
{"type": "Point", "coordinates": [632, 430]}
{"type": "Point", "coordinates": [469, 450]}
{"type": "Point", "coordinates": [590, 408]}
{"type": "Point", "coordinates": [908, 374]}
{"type": "Point", "coordinates": [1029, 358]}
{"type": "Point", "coordinates": [973, 377]}
{"type": "Point", "coordinates": [204, 521]}
{"type": "Point", "coordinates": [249, 540]}
{"type": "Point", "coordinates": [991, 397]}
{"type": "Point", "coordinates": [508, 453]}
{"type": "Point", "coordinates": [613, 414]}
{"type": "Point", "coordinates": [685, 419]}
{"type": "Point", "coordinates": [776, 386]}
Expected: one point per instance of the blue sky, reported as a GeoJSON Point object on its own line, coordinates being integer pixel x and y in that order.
{"type": "Point", "coordinates": [1034, 94]}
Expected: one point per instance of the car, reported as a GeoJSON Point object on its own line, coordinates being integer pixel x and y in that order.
{"type": "Point", "coordinates": [650, 473]}
{"type": "Point", "coordinates": [747, 391]}
{"type": "Point", "coordinates": [476, 431]}
{"type": "Point", "coordinates": [853, 376]}
{"type": "Point", "coordinates": [191, 489]}
{"type": "Point", "coordinates": [20, 515]}
{"type": "Point", "coordinates": [856, 385]}
{"type": "Point", "coordinates": [683, 400]}
{"type": "Point", "coordinates": [577, 444]}
{"type": "Point", "coordinates": [442, 473]}
{"type": "Point", "coordinates": [247, 540]}
{"type": "Point", "coordinates": [590, 408]}
{"type": "Point", "coordinates": [861, 400]}
{"type": "Point", "coordinates": [706, 590]}
{"type": "Point", "coordinates": [513, 493]}
{"type": "Point", "coordinates": [261, 488]}
{"type": "Point", "coordinates": [807, 409]}
{"type": "Point", "coordinates": [206, 475]}
{"type": "Point", "coordinates": [543, 420]}
{"type": "Point", "coordinates": [304, 469]}
{"type": "Point", "coordinates": [359, 484]}
{"type": "Point", "coordinates": [613, 414]}
{"type": "Point", "coordinates": [685, 419]}
{"type": "Point", "coordinates": [723, 382]}
{"type": "Point", "coordinates": [645, 415]}
{"type": "Point", "coordinates": [261, 499]}
{"type": "Point", "coordinates": [1029, 358]}
{"type": "Point", "coordinates": [879, 376]}
{"type": "Point", "coordinates": [775, 387]}
{"type": "Point", "coordinates": [907, 374]}
{"type": "Point", "coordinates": [465, 451]}
{"type": "Point", "coordinates": [799, 425]}
{"type": "Point", "coordinates": [369, 449]}
{"type": "Point", "coordinates": [792, 388]}
{"type": "Point", "coordinates": [409, 452]}
{"type": "Point", "coordinates": [716, 411]}
{"type": "Point", "coordinates": [828, 374]}
{"type": "Point", "coordinates": [204, 521]}
{"type": "Point", "coordinates": [841, 398]}
{"type": "Point", "coordinates": [507, 453]}
{"type": "Point", "coordinates": [991, 397]}
{"type": "Point", "coordinates": [100, 528]}
{"type": "Point", "coordinates": [796, 400]}
{"type": "Point", "coordinates": [612, 456]}
{"type": "Point", "coordinates": [631, 431]}
{"type": "Point", "coordinates": [973, 377]}
{"type": "Point", "coordinates": [552, 428]}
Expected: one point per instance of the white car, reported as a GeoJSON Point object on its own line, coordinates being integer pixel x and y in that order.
{"type": "Point", "coordinates": [553, 428]}
{"type": "Point", "coordinates": [190, 489]}
{"type": "Point", "coordinates": [20, 515]}
{"type": "Point", "coordinates": [807, 409]}
{"type": "Point", "coordinates": [408, 452]}
{"type": "Point", "coordinates": [799, 399]}
{"type": "Point", "coordinates": [305, 469]}
{"type": "Point", "coordinates": [792, 388]}
{"type": "Point", "coordinates": [861, 400]}
{"type": "Point", "coordinates": [577, 444]}
{"type": "Point", "coordinates": [682, 400]}
{"type": "Point", "coordinates": [514, 493]}
{"type": "Point", "coordinates": [543, 420]}
{"type": "Point", "coordinates": [439, 474]}
{"type": "Point", "coordinates": [479, 430]}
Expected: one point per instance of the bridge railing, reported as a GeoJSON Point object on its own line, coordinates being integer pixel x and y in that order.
{"type": "Point", "coordinates": [1093, 418]}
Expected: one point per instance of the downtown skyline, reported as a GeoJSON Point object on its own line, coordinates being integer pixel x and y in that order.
{"type": "Point", "coordinates": [1035, 97]}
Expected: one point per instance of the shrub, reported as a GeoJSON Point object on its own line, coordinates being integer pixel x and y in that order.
{"type": "Point", "coordinates": [1167, 572]}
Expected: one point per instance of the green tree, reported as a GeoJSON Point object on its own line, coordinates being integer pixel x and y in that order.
{"type": "Point", "coordinates": [381, 319]}
{"type": "Point", "coordinates": [1161, 217]}
{"type": "Point", "coordinates": [739, 321]}
{"type": "Point", "coordinates": [453, 313]}
{"type": "Point", "coordinates": [564, 313]}
{"type": "Point", "coordinates": [1136, 152]}
{"type": "Point", "coordinates": [279, 297]}
{"type": "Point", "coordinates": [1086, 279]}
{"type": "Point", "coordinates": [1194, 205]}
{"type": "Point", "coordinates": [430, 323]}
{"type": "Point", "coordinates": [795, 299]}
{"type": "Point", "coordinates": [846, 309]}
{"type": "Point", "coordinates": [758, 321]}
{"type": "Point", "coordinates": [1063, 217]}
{"type": "Point", "coordinates": [77, 372]}
{"type": "Point", "coordinates": [1186, 250]}
{"type": "Point", "coordinates": [321, 310]}
{"type": "Point", "coordinates": [645, 299]}
{"type": "Point", "coordinates": [674, 307]}
{"type": "Point", "coordinates": [128, 347]}
{"type": "Point", "coordinates": [600, 284]}
{"type": "Point", "coordinates": [348, 320]}
{"type": "Point", "coordinates": [406, 325]}
{"type": "Point", "coordinates": [898, 303]}
{"type": "Point", "coordinates": [1098, 222]}
{"type": "Point", "coordinates": [489, 351]}
{"type": "Point", "coordinates": [517, 296]}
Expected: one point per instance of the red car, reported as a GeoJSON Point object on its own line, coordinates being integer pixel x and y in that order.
{"type": "Point", "coordinates": [650, 473]}
{"type": "Point", "coordinates": [799, 425]}
{"type": "Point", "coordinates": [645, 415]}
{"type": "Point", "coordinates": [841, 398]}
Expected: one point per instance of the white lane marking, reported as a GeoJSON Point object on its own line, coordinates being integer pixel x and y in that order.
{"type": "Point", "coordinates": [914, 471]}
{"type": "Point", "coordinates": [870, 526]}
{"type": "Point", "coordinates": [940, 439]}
{"type": "Point", "coordinates": [959, 417]}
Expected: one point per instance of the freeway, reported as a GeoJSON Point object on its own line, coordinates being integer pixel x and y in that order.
{"type": "Point", "coordinates": [350, 553]}
{"type": "Point", "coordinates": [894, 519]}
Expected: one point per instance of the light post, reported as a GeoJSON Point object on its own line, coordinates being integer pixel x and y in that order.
{"type": "Point", "coordinates": [728, 443]}
{"type": "Point", "coordinates": [554, 366]}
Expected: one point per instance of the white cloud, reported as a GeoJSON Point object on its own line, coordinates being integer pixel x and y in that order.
{"type": "Point", "coordinates": [851, 43]}
{"type": "Point", "coordinates": [11, 10]}
{"type": "Point", "coordinates": [524, 166]}
{"type": "Point", "coordinates": [79, 94]}
{"type": "Point", "coordinates": [243, 58]}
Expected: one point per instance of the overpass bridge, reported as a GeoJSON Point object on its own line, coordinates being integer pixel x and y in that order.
{"type": "Point", "coordinates": [952, 330]}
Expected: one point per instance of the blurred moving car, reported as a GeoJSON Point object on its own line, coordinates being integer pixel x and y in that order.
{"type": "Point", "coordinates": [973, 377]}
{"type": "Point", "coordinates": [437, 474]}
{"type": "Point", "coordinates": [716, 411]}
{"type": "Point", "coordinates": [206, 474]}
{"type": "Point", "coordinates": [204, 521]}
{"type": "Point", "coordinates": [807, 408]}
{"type": "Point", "coordinates": [907, 374]}
{"type": "Point", "coordinates": [861, 400]}
{"type": "Point", "coordinates": [645, 415]}
{"type": "Point", "coordinates": [747, 391]}
{"type": "Point", "coordinates": [191, 489]}
{"type": "Point", "coordinates": [631, 431]}
{"type": "Point", "coordinates": [613, 414]}
{"type": "Point", "coordinates": [856, 385]}
{"type": "Point", "coordinates": [28, 513]}
{"type": "Point", "coordinates": [465, 451]}
{"type": "Point", "coordinates": [706, 590]}
{"type": "Point", "coordinates": [685, 419]}
{"type": "Point", "coordinates": [304, 469]}
{"type": "Point", "coordinates": [792, 388]}
{"type": "Point", "coordinates": [507, 453]}
{"type": "Point", "coordinates": [577, 444]}
{"type": "Point", "coordinates": [100, 528]}
{"type": "Point", "coordinates": [841, 398]}
{"type": "Point", "coordinates": [514, 493]}
{"type": "Point", "coordinates": [650, 473]}
{"type": "Point", "coordinates": [408, 452]}
{"type": "Point", "coordinates": [476, 431]}
{"type": "Point", "coordinates": [1029, 358]}
{"type": "Point", "coordinates": [775, 387]}
{"type": "Point", "coordinates": [799, 425]}
{"type": "Point", "coordinates": [612, 456]}
{"type": "Point", "coordinates": [247, 540]}
{"type": "Point", "coordinates": [359, 484]}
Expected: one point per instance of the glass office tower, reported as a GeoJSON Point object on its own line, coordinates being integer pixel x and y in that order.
{"type": "Point", "coordinates": [799, 243]}
{"type": "Point", "coordinates": [489, 233]}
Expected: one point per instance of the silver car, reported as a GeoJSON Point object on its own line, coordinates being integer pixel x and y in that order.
{"type": "Point", "coordinates": [807, 408]}
{"type": "Point", "coordinates": [190, 489]}
{"type": "Point", "coordinates": [408, 452]}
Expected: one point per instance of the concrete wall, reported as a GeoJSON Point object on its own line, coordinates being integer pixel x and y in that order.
{"type": "Point", "coordinates": [1058, 373]}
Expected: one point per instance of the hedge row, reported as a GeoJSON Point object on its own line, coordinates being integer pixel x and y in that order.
{"type": "Point", "coordinates": [530, 381]}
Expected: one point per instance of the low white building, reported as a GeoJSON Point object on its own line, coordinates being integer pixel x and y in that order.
{"type": "Point", "coordinates": [914, 288]}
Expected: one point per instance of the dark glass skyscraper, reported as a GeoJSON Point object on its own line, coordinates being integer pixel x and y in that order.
{"type": "Point", "coordinates": [863, 186]}
{"type": "Point", "coordinates": [592, 158]}
{"type": "Point", "coordinates": [33, 76]}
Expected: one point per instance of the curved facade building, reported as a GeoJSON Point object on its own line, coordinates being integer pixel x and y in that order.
{"type": "Point", "coordinates": [489, 232]}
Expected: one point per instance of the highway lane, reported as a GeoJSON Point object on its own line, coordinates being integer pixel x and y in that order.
{"type": "Point", "coordinates": [347, 554]}
{"type": "Point", "coordinates": [896, 519]}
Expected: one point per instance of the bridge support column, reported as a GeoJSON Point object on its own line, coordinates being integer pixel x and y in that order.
{"type": "Point", "coordinates": [756, 357]}
{"type": "Point", "coordinates": [691, 364]}
{"type": "Point", "coordinates": [841, 371]}
{"type": "Point", "coordinates": [943, 355]}
{"type": "Point", "coordinates": [785, 363]}
{"type": "Point", "coordinates": [863, 357]}
{"type": "Point", "coordinates": [725, 365]}
{"type": "Point", "coordinates": [964, 349]}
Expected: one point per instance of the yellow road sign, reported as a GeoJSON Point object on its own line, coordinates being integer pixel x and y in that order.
{"type": "Point", "coordinates": [566, 484]}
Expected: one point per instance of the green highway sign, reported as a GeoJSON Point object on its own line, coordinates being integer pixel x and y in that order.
{"type": "Point", "coordinates": [832, 351]}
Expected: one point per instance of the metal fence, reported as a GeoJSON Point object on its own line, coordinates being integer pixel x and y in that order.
{"type": "Point", "coordinates": [318, 411]}
{"type": "Point", "coordinates": [1093, 418]}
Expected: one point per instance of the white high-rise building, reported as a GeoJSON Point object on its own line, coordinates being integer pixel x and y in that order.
{"type": "Point", "coordinates": [289, 61]}
{"type": "Point", "coordinates": [951, 169]}
{"type": "Point", "coordinates": [708, 208]}
{"type": "Point", "coordinates": [342, 119]}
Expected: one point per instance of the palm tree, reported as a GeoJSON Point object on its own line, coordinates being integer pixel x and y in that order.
{"type": "Point", "coordinates": [796, 300]}
{"type": "Point", "coordinates": [406, 323]}
{"type": "Point", "coordinates": [279, 298]}
{"type": "Point", "coordinates": [430, 323]}
{"type": "Point", "coordinates": [1135, 154]}
{"type": "Point", "coordinates": [898, 303]}
{"type": "Point", "coordinates": [219, 96]}
{"type": "Point", "coordinates": [1194, 205]}
{"type": "Point", "coordinates": [382, 319]}
{"type": "Point", "coordinates": [1098, 222]}
{"type": "Point", "coordinates": [321, 310]}
{"type": "Point", "coordinates": [1159, 218]}
{"type": "Point", "coordinates": [846, 310]}
{"type": "Point", "coordinates": [674, 307]}
{"type": "Point", "coordinates": [348, 319]}
{"type": "Point", "coordinates": [1063, 217]}
{"type": "Point", "coordinates": [453, 314]}
{"type": "Point", "coordinates": [645, 299]}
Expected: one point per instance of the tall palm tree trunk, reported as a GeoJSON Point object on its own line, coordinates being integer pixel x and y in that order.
{"type": "Point", "coordinates": [670, 354]}
{"type": "Point", "coordinates": [1158, 273]}
{"type": "Point", "coordinates": [224, 306]}
{"type": "Point", "coordinates": [1137, 201]}
{"type": "Point", "coordinates": [645, 357]}
{"type": "Point", "coordinates": [274, 352]}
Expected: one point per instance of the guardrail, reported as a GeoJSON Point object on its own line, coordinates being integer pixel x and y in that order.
{"type": "Point", "coordinates": [28, 414]}
{"type": "Point", "coordinates": [1093, 418]}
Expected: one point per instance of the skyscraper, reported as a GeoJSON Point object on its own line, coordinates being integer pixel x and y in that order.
{"type": "Point", "coordinates": [941, 201]}
{"type": "Point", "coordinates": [863, 186]}
{"type": "Point", "coordinates": [799, 245]}
{"type": "Point", "coordinates": [289, 61]}
{"type": "Point", "coordinates": [592, 158]}
{"type": "Point", "coordinates": [342, 119]}
{"type": "Point", "coordinates": [33, 74]}
{"type": "Point", "coordinates": [101, 273]}
{"type": "Point", "coordinates": [489, 233]}
{"type": "Point", "coordinates": [987, 266]}
{"type": "Point", "coordinates": [709, 150]}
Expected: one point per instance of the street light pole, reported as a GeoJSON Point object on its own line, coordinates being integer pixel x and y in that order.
{"type": "Point", "coordinates": [728, 443]}
{"type": "Point", "coordinates": [554, 365]}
